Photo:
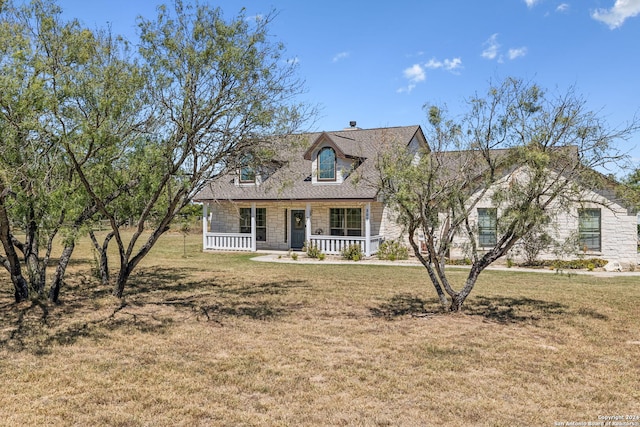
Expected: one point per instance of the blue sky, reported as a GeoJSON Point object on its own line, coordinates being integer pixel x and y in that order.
{"type": "Point", "coordinates": [379, 63]}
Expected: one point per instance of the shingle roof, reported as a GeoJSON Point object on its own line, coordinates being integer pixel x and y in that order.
{"type": "Point", "coordinates": [293, 181]}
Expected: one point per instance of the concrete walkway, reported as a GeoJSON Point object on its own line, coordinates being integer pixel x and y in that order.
{"type": "Point", "coordinates": [285, 257]}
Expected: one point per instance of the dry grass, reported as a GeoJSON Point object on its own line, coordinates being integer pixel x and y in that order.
{"type": "Point", "coordinates": [216, 339]}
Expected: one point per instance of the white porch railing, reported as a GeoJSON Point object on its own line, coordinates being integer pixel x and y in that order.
{"type": "Point", "coordinates": [228, 241]}
{"type": "Point", "coordinates": [333, 245]}
{"type": "Point", "coordinates": [330, 245]}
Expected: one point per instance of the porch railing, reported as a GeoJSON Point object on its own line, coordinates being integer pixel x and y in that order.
{"type": "Point", "coordinates": [333, 245]}
{"type": "Point", "coordinates": [330, 245]}
{"type": "Point", "coordinates": [228, 241]}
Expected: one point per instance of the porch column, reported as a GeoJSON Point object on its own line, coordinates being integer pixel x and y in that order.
{"type": "Point", "coordinates": [367, 230]}
{"type": "Point", "coordinates": [307, 228]}
{"type": "Point", "coordinates": [253, 228]}
{"type": "Point", "coordinates": [205, 225]}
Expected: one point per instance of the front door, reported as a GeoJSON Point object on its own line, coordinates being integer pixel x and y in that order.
{"type": "Point", "coordinates": [297, 229]}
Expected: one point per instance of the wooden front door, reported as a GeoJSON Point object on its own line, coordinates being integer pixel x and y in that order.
{"type": "Point", "coordinates": [297, 229]}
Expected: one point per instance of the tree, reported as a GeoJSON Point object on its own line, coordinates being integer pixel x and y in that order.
{"type": "Point", "coordinates": [213, 92]}
{"type": "Point", "coordinates": [633, 179]}
{"type": "Point", "coordinates": [529, 154]}
{"type": "Point", "coordinates": [632, 192]}
{"type": "Point", "coordinates": [91, 131]}
{"type": "Point", "coordinates": [38, 192]}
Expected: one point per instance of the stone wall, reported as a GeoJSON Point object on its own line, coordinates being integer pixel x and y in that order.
{"type": "Point", "coordinates": [619, 238]}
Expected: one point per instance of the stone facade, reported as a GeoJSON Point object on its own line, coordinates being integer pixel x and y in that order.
{"type": "Point", "coordinates": [618, 231]}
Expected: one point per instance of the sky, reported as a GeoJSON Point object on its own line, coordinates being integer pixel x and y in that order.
{"type": "Point", "coordinates": [379, 63]}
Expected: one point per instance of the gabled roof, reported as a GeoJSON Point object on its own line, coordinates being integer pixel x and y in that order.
{"type": "Point", "coordinates": [324, 139]}
{"type": "Point", "coordinates": [292, 181]}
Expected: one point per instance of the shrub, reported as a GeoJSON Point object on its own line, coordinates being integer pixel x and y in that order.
{"type": "Point", "coordinates": [294, 256]}
{"type": "Point", "coordinates": [461, 261]}
{"type": "Point", "coordinates": [352, 252]}
{"type": "Point", "coordinates": [532, 244]}
{"type": "Point", "coordinates": [392, 250]}
{"type": "Point", "coordinates": [578, 264]}
{"type": "Point", "coordinates": [312, 250]}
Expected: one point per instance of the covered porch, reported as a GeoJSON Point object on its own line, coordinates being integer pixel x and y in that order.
{"type": "Point", "coordinates": [278, 226]}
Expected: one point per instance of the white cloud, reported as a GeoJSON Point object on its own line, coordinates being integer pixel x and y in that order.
{"type": "Point", "coordinates": [417, 54]}
{"type": "Point", "coordinates": [433, 64]}
{"type": "Point", "coordinates": [492, 50]}
{"type": "Point", "coordinates": [531, 3]}
{"type": "Point", "coordinates": [452, 65]}
{"type": "Point", "coordinates": [407, 89]}
{"type": "Point", "coordinates": [340, 56]}
{"type": "Point", "coordinates": [492, 47]}
{"type": "Point", "coordinates": [448, 64]}
{"type": "Point", "coordinates": [621, 10]}
{"type": "Point", "coordinates": [517, 53]}
{"type": "Point", "coordinates": [562, 7]}
{"type": "Point", "coordinates": [415, 74]}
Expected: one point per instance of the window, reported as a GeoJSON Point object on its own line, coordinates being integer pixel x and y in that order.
{"type": "Point", "coordinates": [261, 222]}
{"type": "Point", "coordinates": [487, 227]}
{"type": "Point", "coordinates": [589, 229]}
{"type": "Point", "coordinates": [327, 164]}
{"type": "Point", "coordinates": [247, 174]}
{"type": "Point", "coordinates": [247, 170]}
{"type": "Point", "coordinates": [345, 222]}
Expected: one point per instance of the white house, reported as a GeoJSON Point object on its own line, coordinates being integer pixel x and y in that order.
{"type": "Point", "coordinates": [323, 192]}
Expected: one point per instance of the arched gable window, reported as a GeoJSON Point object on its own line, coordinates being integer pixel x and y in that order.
{"type": "Point", "coordinates": [327, 164]}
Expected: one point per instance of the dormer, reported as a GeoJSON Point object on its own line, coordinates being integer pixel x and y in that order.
{"type": "Point", "coordinates": [329, 163]}
{"type": "Point", "coordinates": [247, 173]}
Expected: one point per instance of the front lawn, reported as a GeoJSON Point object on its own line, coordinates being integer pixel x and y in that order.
{"type": "Point", "coordinates": [217, 339]}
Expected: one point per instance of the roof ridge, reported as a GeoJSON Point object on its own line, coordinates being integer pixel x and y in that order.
{"type": "Point", "coordinates": [319, 132]}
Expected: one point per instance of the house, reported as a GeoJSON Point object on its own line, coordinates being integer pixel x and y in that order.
{"type": "Point", "coordinates": [322, 194]}
{"type": "Point", "coordinates": [325, 192]}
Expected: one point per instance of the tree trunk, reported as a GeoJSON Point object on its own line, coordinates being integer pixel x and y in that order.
{"type": "Point", "coordinates": [456, 304]}
{"type": "Point", "coordinates": [121, 282]}
{"type": "Point", "coordinates": [104, 267]}
{"type": "Point", "coordinates": [127, 265]}
{"type": "Point", "coordinates": [103, 262]}
{"type": "Point", "coordinates": [459, 298]}
{"type": "Point", "coordinates": [37, 274]}
{"type": "Point", "coordinates": [58, 278]}
{"type": "Point", "coordinates": [12, 261]}
{"type": "Point", "coordinates": [21, 288]}
{"type": "Point", "coordinates": [36, 269]}
{"type": "Point", "coordinates": [425, 263]}
{"type": "Point", "coordinates": [20, 285]}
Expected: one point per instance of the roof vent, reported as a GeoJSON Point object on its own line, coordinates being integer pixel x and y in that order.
{"type": "Point", "coordinates": [352, 124]}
